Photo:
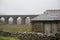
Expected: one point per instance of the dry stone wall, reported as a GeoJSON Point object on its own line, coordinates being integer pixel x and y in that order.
{"type": "Point", "coordinates": [31, 36]}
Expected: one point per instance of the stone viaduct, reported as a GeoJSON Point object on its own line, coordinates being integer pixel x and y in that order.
{"type": "Point", "coordinates": [23, 17]}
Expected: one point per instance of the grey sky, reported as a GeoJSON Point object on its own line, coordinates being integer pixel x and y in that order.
{"type": "Point", "coordinates": [21, 7]}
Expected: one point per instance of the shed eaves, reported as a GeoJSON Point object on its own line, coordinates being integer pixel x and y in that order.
{"type": "Point", "coordinates": [48, 15]}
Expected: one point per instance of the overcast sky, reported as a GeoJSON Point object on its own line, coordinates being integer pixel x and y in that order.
{"type": "Point", "coordinates": [22, 7]}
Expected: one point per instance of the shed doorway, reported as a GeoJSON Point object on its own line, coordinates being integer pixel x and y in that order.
{"type": "Point", "coordinates": [54, 28]}
{"type": "Point", "coordinates": [47, 28]}
{"type": "Point", "coordinates": [50, 28]}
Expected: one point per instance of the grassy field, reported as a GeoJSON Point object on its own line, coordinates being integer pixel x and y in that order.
{"type": "Point", "coordinates": [8, 38]}
{"type": "Point", "coordinates": [16, 28]}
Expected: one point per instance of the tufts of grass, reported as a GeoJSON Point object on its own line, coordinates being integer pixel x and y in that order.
{"type": "Point", "coordinates": [16, 28]}
{"type": "Point", "coordinates": [8, 38]}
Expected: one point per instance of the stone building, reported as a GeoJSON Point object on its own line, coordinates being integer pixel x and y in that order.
{"type": "Point", "coordinates": [48, 22]}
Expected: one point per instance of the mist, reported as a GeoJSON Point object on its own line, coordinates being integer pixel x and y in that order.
{"type": "Point", "coordinates": [27, 7]}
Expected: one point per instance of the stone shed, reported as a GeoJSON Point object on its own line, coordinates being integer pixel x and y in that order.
{"type": "Point", "coordinates": [48, 22]}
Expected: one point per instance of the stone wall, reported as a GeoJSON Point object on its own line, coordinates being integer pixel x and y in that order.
{"type": "Point", "coordinates": [31, 36]}
{"type": "Point", "coordinates": [37, 27]}
{"type": "Point", "coordinates": [58, 28]}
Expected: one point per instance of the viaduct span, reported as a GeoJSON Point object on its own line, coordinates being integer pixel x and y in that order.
{"type": "Point", "coordinates": [23, 17]}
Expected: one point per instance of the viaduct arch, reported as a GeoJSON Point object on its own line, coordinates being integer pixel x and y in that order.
{"type": "Point", "coordinates": [23, 17]}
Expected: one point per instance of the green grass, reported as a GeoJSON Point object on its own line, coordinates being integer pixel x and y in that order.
{"type": "Point", "coordinates": [8, 38]}
{"type": "Point", "coordinates": [16, 28]}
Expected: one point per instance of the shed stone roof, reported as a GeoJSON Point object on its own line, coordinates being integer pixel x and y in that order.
{"type": "Point", "coordinates": [48, 15]}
